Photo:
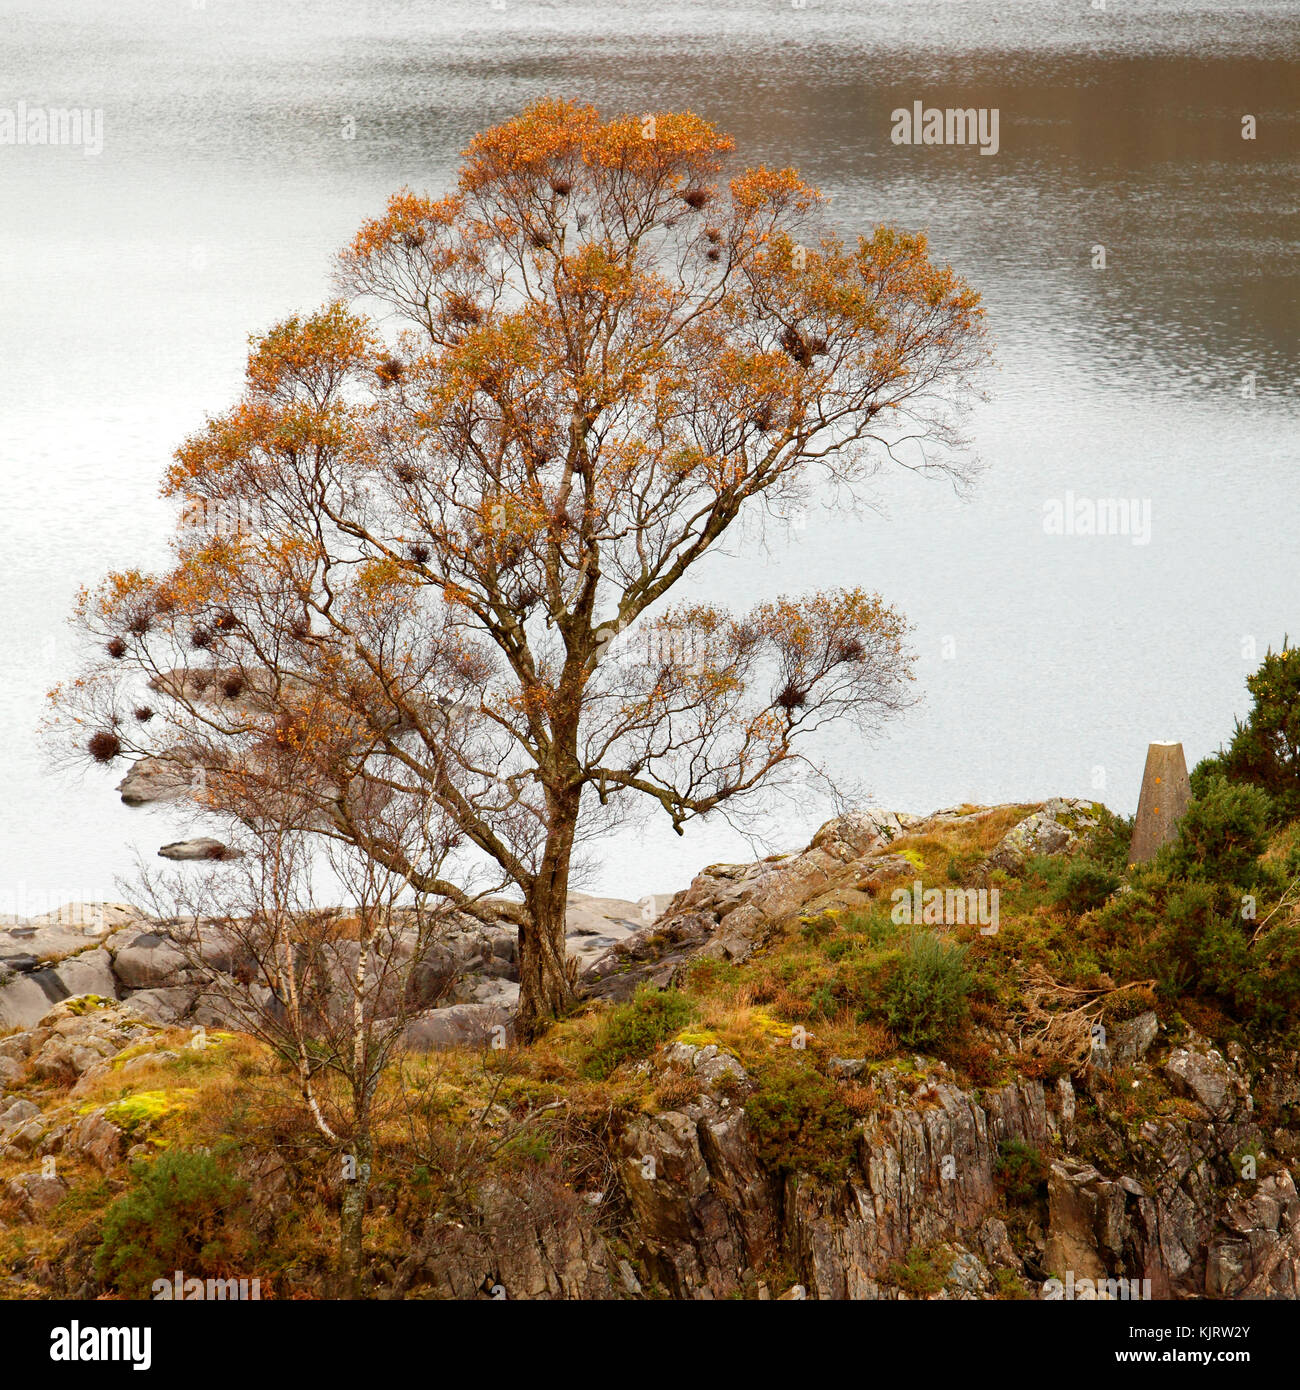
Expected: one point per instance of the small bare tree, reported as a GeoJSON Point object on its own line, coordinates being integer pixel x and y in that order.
{"type": "Point", "coordinates": [330, 991]}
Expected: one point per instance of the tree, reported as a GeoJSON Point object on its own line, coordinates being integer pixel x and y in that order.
{"type": "Point", "coordinates": [329, 993]}
{"type": "Point", "coordinates": [427, 562]}
{"type": "Point", "coordinates": [1265, 750]}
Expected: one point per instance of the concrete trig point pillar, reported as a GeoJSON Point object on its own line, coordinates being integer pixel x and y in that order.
{"type": "Point", "coordinates": [1166, 790]}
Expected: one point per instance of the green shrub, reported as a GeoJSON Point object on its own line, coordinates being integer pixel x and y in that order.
{"type": "Point", "coordinates": [1222, 834]}
{"type": "Point", "coordinates": [176, 1217]}
{"type": "Point", "coordinates": [1110, 842]}
{"type": "Point", "coordinates": [1021, 1171]}
{"type": "Point", "coordinates": [1265, 750]}
{"type": "Point", "coordinates": [926, 992]}
{"type": "Point", "coordinates": [635, 1029]}
{"type": "Point", "coordinates": [1201, 945]}
{"type": "Point", "coordinates": [922, 1273]}
{"type": "Point", "coordinates": [799, 1123]}
{"type": "Point", "coordinates": [1084, 885]}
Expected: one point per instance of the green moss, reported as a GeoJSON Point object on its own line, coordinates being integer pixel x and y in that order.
{"type": "Point", "coordinates": [147, 1108]}
{"type": "Point", "coordinates": [87, 1004]}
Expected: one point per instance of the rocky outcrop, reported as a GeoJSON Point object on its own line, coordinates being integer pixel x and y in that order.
{"type": "Point", "coordinates": [151, 780]}
{"type": "Point", "coordinates": [1056, 829]}
{"type": "Point", "coordinates": [463, 986]}
{"type": "Point", "coordinates": [1198, 1201]}
{"type": "Point", "coordinates": [28, 988]}
{"type": "Point", "coordinates": [730, 910]}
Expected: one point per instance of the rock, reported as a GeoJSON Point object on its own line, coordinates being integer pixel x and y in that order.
{"type": "Point", "coordinates": [967, 1277]}
{"type": "Point", "coordinates": [154, 779]}
{"type": "Point", "coordinates": [648, 956]}
{"type": "Point", "coordinates": [653, 906]}
{"type": "Point", "coordinates": [847, 1067]}
{"type": "Point", "coordinates": [97, 1139]}
{"type": "Point", "coordinates": [1058, 827]}
{"type": "Point", "coordinates": [731, 910]}
{"type": "Point", "coordinates": [165, 1006]}
{"type": "Point", "coordinates": [1126, 1042]}
{"type": "Point", "coordinates": [531, 1238]}
{"type": "Point", "coordinates": [594, 925]}
{"type": "Point", "coordinates": [25, 999]}
{"type": "Point", "coordinates": [35, 1194]}
{"type": "Point", "coordinates": [86, 918]}
{"type": "Point", "coordinates": [1206, 1079]}
{"type": "Point", "coordinates": [588, 916]}
{"type": "Point", "coordinates": [708, 1062]}
{"type": "Point", "coordinates": [14, 1114]}
{"type": "Point", "coordinates": [996, 1245]}
{"type": "Point", "coordinates": [150, 1059]}
{"type": "Point", "coordinates": [1075, 1194]}
{"type": "Point", "coordinates": [204, 848]}
{"type": "Point", "coordinates": [29, 946]}
{"type": "Point", "coordinates": [1129, 1039]}
{"type": "Point", "coordinates": [149, 960]}
{"type": "Point", "coordinates": [459, 1025]}
{"type": "Point", "coordinates": [480, 989]}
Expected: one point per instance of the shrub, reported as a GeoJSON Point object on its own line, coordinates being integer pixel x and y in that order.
{"type": "Point", "coordinates": [1202, 946]}
{"type": "Point", "coordinates": [926, 993]}
{"type": "Point", "coordinates": [1265, 750]}
{"type": "Point", "coordinates": [1222, 834]}
{"type": "Point", "coordinates": [922, 1273]}
{"type": "Point", "coordinates": [800, 1124]}
{"type": "Point", "coordinates": [635, 1029]}
{"type": "Point", "coordinates": [1084, 885]}
{"type": "Point", "coordinates": [176, 1217]}
{"type": "Point", "coordinates": [1021, 1171]}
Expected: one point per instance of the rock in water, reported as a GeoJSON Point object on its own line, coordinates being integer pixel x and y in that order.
{"type": "Point", "coordinates": [205, 847]}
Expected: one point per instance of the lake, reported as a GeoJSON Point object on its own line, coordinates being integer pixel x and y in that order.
{"type": "Point", "coordinates": [130, 280]}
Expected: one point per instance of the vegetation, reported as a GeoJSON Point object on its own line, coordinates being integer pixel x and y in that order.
{"type": "Point", "coordinates": [635, 1029]}
{"type": "Point", "coordinates": [175, 1217]}
{"type": "Point", "coordinates": [801, 1123]}
{"type": "Point", "coordinates": [927, 991]}
{"type": "Point", "coordinates": [843, 1011]}
{"type": "Point", "coordinates": [419, 572]}
{"type": "Point", "coordinates": [1265, 750]}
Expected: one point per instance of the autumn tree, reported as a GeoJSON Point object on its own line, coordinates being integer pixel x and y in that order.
{"type": "Point", "coordinates": [442, 529]}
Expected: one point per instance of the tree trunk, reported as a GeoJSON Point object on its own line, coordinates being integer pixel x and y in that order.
{"type": "Point", "coordinates": [352, 1220]}
{"type": "Point", "coordinates": [545, 990]}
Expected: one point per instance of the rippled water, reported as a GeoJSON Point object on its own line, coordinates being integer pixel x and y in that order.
{"type": "Point", "coordinates": [130, 281]}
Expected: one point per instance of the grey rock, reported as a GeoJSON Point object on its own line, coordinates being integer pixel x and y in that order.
{"type": "Point", "coordinates": [1207, 1079]}
{"type": "Point", "coordinates": [203, 848]}
{"type": "Point", "coordinates": [459, 1025]}
{"type": "Point", "coordinates": [16, 1113]}
{"type": "Point", "coordinates": [97, 1139]}
{"type": "Point", "coordinates": [148, 960]}
{"type": "Point", "coordinates": [26, 999]}
{"type": "Point", "coordinates": [36, 1194]}
{"type": "Point", "coordinates": [1058, 827]}
{"type": "Point", "coordinates": [165, 1006]}
{"type": "Point", "coordinates": [155, 779]}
